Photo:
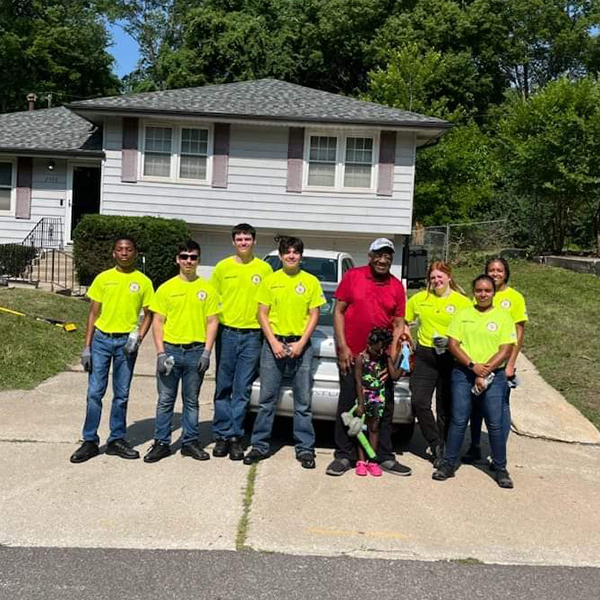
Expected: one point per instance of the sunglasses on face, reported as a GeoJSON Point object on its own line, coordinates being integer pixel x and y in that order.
{"type": "Point", "coordinates": [186, 256]}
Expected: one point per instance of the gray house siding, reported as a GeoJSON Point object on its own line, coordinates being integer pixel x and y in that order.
{"type": "Point", "coordinates": [257, 190]}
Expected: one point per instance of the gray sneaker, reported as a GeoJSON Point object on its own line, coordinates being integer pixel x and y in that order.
{"type": "Point", "coordinates": [338, 466]}
{"type": "Point", "coordinates": [395, 468]}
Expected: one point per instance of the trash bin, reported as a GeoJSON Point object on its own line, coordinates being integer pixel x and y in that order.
{"type": "Point", "coordinates": [417, 264]}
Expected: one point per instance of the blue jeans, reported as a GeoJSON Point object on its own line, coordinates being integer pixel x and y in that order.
{"type": "Point", "coordinates": [477, 420]}
{"type": "Point", "coordinates": [105, 350]}
{"type": "Point", "coordinates": [272, 372]}
{"type": "Point", "coordinates": [491, 402]}
{"type": "Point", "coordinates": [238, 355]}
{"type": "Point", "coordinates": [186, 370]}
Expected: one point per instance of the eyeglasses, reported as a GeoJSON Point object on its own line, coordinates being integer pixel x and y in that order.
{"type": "Point", "coordinates": [186, 256]}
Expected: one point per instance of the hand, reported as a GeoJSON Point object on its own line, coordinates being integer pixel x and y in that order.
{"type": "Point", "coordinates": [278, 349]}
{"type": "Point", "coordinates": [384, 375]}
{"type": "Point", "coordinates": [86, 359]}
{"type": "Point", "coordinates": [480, 383]}
{"type": "Point", "coordinates": [510, 371]}
{"type": "Point", "coordinates": [360, 411]}
{"type": "Point", "coordinates": [161, 363]}
{"type": "Point", "coordinates": [481, 370]}
{"type": "Point", "coordinates": [296, 349]}
{"type": "Point", "coordinates": [440, 342]}
{"type": "Point", "coordinates": [345, 359]}
{"type": "Point", "coordinates": [132, 344]}
{"type": "Point", "coordinates": [204, 362]}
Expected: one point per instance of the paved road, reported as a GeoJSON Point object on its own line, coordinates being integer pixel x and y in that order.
{"type": "Point", "coordinates": [65, 574]}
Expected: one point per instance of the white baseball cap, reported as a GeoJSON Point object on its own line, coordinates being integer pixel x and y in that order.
{"type": "Point", "coordinates": [380, 244]}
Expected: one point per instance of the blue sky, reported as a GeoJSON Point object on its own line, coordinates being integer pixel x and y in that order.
{"type": "Point", "coordinates": [124, 49]}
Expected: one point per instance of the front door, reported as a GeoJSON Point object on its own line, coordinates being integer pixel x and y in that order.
{"type": "Point", "coordinates": [85, 195]}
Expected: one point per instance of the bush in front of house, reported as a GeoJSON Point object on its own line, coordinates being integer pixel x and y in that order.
{"type": "Point", "coordinates": [15, 259]}
{"type": "Point", "coordinates": [156, 239]}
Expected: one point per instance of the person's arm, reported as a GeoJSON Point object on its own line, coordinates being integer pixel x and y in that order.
{"type": "Point", "coordinates": [158, 322]}
{"type": "Point", "coordinates": [146, 323]}
{"type": "Point", "coordinates": [313, 318]}
{"type": "Point", "coordinates": [504, 352]}
{"type": "Point", "coordinates": [263, 319]}
{"type": "Point", "coordinates": [397, 334]}
{"type": "Point", "coordinates": [481, 370]}
{"type": "Point", "coordinates": [91, 321]}
{"type": "Point", "coordinates": [358, 367]}
{"type": "Point", "coordinates": [344, 353]}
{"type": "Point", "coordinates": [212, 325]}
{"type": "Point", "coordinates": [392, 370]}
{"type": "Point", "coordinates": [516, 348]}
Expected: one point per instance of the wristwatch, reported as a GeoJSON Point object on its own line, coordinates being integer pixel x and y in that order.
{"type": "Point", "coordinates": [471, 366]}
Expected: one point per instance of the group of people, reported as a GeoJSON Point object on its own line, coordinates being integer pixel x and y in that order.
{"type": "Point", "coordinates": [260, 322]}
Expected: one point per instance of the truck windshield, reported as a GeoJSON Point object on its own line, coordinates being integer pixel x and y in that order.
{"type": "Point", "coordinates": [324, 269]}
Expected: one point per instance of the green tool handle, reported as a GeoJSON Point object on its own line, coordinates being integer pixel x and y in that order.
{"type": "Point", "coordinates": [364, 442]}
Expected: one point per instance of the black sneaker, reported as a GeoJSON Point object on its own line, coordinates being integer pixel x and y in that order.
{"type": "Point", "coordinates": [121, 448]}
{"type": "Point", "coordinates": [307, 461]}
{"type": "Point", "coordinates": [253, 457]}
{"type": "Point", "coordinates": [195, 450]}
{"type": "Point", "coordinates": [338, 466]}
{"type": "Point", "coordinates": [472, 455]}
{"type": "Point", "coordinates": [236, 449]}
{"type": "Point", "coordinates": [395, 468]}
{"type": "Point", "coordinates": [221, 448]}
{"type": "Point", "coordinates": [157, 452]}
{"type": "Point", "coordinates": [445, 471]}
{"type": "Point", "coordinates": [86, 451]}
{"type": "Point", "coordinates": [503, 479]}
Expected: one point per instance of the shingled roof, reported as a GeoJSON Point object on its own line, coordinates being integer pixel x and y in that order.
{"type": "Point", "coordinates": [56, 131]}
{"type": "Point", "coordinates": [263, 99]}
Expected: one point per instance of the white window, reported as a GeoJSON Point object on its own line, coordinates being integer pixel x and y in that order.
{"type": "Point", "coordinates": [340, 162]}
{"type": "Point", "coordinates": [176, 152]}
{"type": "Point", "coordinates": [6, 185]}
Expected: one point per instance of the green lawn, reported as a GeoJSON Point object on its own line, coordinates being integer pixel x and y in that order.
{"type": "Point", "coordinates": [32, 351]}
{"type": "Point", "coordinates": [562, 337]}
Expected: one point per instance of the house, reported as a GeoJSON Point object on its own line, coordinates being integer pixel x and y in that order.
{"type": "Point", "coordinates": [333, 170]}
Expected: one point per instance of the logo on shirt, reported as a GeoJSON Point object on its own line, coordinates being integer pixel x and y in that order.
{"type": "Point", "coordinates": [134, 287]}
{"type": "Point", "coordinates": [256, 279]}
{"type": "Point", "coordinates": [450, 309]}
{"type": "Point", "coordinates": [300, 289]}
{"type": "Point", "coordinates": [505, 304]}
{"type": "Point", "coordinates": [201, 295]}
{"type": "Point", "coordinates": [492, 326]}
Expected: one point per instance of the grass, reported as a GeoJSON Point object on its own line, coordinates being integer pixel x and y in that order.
{"type": "Point", "coordinates": [562, 337]}
{"type": "Point", "coordinates": [244, 522]}
{"type": "Point", "coordinates": [32, 351]}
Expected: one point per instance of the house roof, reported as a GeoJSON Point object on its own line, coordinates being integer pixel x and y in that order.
{"type": "Point", "coordinates": [263, 99]}
{"type": "Point", "coordinates": [56, 131]}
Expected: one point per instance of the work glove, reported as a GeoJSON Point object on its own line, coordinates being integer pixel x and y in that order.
{"type": "Point", "coordinates": [133, 343]}
{"type": "Point", "coordinates": [440, 342]}
{"type": "Point", "coordinates": [204, 362]}
{"type": "Point", "coordinates": [164, 364]}
{"type": "Point", "coordinates": [86, 359]}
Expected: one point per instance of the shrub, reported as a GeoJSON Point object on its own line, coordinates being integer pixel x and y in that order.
{"type": "Point", "coordinates": [156, 239]}
{"type": "Point", "coordinates": [15, 259]}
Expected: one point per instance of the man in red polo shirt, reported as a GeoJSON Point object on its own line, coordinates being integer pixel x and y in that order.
{"type": "Point", "coordinates": [367, 297]}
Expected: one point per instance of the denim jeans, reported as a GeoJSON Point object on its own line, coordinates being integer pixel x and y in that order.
{"type": "Point", "coordinates": [238, 355]}
{"type": "Point", "coordinates": [272, 372]}
{"type": "Point", "coordinates": [477, 420]}
{"type": "Point", "coordinates": [105, 350]}
{"type": "Point", "coordinates": [491, 402]}
{"type": "Point", "coordinates": [186, 370]}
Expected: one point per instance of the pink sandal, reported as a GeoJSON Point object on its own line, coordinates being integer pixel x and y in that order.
{"type": "Point", "coordinates": [374, 469]}
{"type": "Point", "coordinates": [361, 468]}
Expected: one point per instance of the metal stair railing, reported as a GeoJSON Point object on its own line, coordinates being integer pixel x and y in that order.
{"type": "Point", "coordinates": [47, 233]}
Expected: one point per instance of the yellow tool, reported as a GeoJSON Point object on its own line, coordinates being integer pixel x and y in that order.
{"type": "Point", "coordinates": [67, 326]}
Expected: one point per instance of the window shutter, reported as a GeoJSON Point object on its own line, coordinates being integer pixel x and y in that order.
{"type": "Point", "coordinates": [129, 154]}
{"type": "Point", "coordinates": [387, 160]}
{"type": "Point", "coordinates": [295, 159]}
{"type": "Point", "coordinates": [24, 177]}
{"type": "Point", "coordinates": [220, 167]}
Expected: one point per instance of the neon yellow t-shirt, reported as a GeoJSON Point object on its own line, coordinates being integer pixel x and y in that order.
{"type": "Point", "coordinates": [122, 296]}
{"type": "Point", "coordinates": [434, 313]}
{"type": "Point", "coordinates": [290, 297]}
{"type": "Point", "coordinates": [237, 284]}
{"type": "Point", "coordinates": [186, 306]}
{"type": "Point", "coordinates": [481, 333]}
{"type": "Point", "coordinates": [513, 302]}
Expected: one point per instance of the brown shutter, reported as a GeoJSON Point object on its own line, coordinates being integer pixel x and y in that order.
{"type": "Point", "coordinates": [295, 159]}
{"type": "Point", "coordinates": [129, 154]}
{"type": "Point", "coordinates": [220, 167]}
{"type": "Point", "coordinates": [24, 177]}
{"type": "Point", "coordinates": [387, 160]}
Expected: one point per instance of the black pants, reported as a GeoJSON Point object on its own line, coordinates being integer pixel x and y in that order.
{"type": "Point", "coordinates": [432, 373]}
{"type": "Point", "coordinates": [345, 445]}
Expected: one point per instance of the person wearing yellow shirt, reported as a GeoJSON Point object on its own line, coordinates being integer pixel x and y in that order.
{"type": "Point", "coordinates": [513, 303]}
{"type": "Point", "coordinates": [184, 328]}
{"type": "Point", "coordinates": [433, 310]}
{"type": "Point", "coordinates": [289, 304]}
{"type": "Point", "coordinates": [236, 280]}
{"type": "Point", "coordinates": [116, 298]}
{"type": "Point", "coordinates": [481, 338]}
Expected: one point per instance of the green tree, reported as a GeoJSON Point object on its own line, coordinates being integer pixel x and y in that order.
{"type": "Point", "coordinates": [53, 47]}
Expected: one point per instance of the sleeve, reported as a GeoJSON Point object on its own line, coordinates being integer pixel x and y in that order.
{"type": "Point", "coordinates": [215, 279]}
{"type": "Point", "coordinates": [213, 305]}
{"type": "Point", "coordinates": [263, 294]}
{"type": "Point", "coordinates": [158, 303]}
{"type": "Point", "coordinates": [508, 332]}
{"type": "Point", "coordinates": [518, 311]}
{"type": "Point", "coordinates": [148, 294]}
{"type": "Point", "coordinates": [411, 314]}
{"type": "Point", "coordinates": [400, 309]}
{"type": "Point", "coordinates": [316, 297]}
{"type": "Point", "coordinates": [455, 328]}
{"type": "Point", "coordinates": [344, 290]}
{"type": "Point", "coordinates": [95, 291]}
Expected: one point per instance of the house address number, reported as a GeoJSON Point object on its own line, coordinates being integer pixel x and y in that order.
{"type": "Point", "coordinates": [51, 179]}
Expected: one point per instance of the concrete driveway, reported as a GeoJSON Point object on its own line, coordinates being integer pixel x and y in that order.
{"type": "Point", "coordinates": [551, 517]}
